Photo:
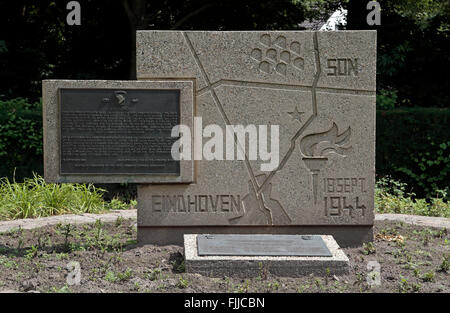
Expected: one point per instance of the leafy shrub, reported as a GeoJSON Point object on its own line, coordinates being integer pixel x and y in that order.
{"type": "Point", "coordinates": [117, 204]}
{"type": "Point", "coordinates": [410, 44]}
{"type": "Point", "coordinates": [413, 146]}
{"type": "Point", "coordinates": [391, 197]}
{"type": "Point", "coordinates": [20, 138]}
{"type": "Point", "coordinates": [386, 99]}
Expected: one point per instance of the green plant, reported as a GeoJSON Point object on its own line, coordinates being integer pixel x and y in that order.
{"type": "Point", "coordinates": [155, 274]}
{"type": "Point", "coordinates": [386, 99]}
{"type": "Point", "coordinates": [117, 204]}
{"type": "Point", "coordinates": [62, 256]}
{"type": "Point", "coordinates": [31, 252]}
{"type": "Point", "coordinates": [445, 265]}
{"type": "Point", "coordinates": [274, 286]}
{"type": "Point", "coordinates": [368, 248]}
{"type": "Point", "coordinates": [425, 161]}
{"type": "Point", "coordinates": [413, 146]}
{"type": "Point", "coordinates": [119, 221]}
{"type": "Point", "coordinates": [242, 288]}
{"type": "Point", "coordinates": [118, 276]}
{"type": "Point", "coordinates": [428, 276]}
{"type": "Point", "coordinates": [8, 263]}
{"type": "Point", "coordinates": [182, 283]}
{"type": "Point", "coordinates": [63, 289]}
{"type": "Point", "coordinates": [327, 275]}
{"type": "Point", "coordinates": [263, 271]}
{"type": "Point", "coordinates": [403, 285]}
{"type": "Point", "coordinates": [416, 287]}
{"type": "Point", "coordinates": [302, 288]}
{"type": "Point", "coordinates": [66, 231]}
{"type": "Point", "coordinates": [123, 276]}
{"type": "Point", "coordinates": [36, 198]}
{"type": "Point", "coordinates": [181, 267]}
{"type": "Point", "coordinates": [318, 283]}
{"type": "Point", "coordinates": [391, 197]}
{"type": "Point", "coordinates": [359, 279]}
{"type": "Point", "coordinates": [20, 137]}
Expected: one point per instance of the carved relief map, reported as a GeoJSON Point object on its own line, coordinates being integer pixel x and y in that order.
{"type": "Point", "coordinates": [319, 87]}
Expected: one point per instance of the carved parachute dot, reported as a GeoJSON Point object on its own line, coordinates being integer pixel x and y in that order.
{"type": "Point", "coordinates": [281, 68]}
{"type": "Point", "coordinates": [272, 54]}
{"type": "Point", "coordinates": [299, 63]}
{"type": "Point", "coordinates": [265, 67]}
{"type": "Point", "coordinates": [285, 56]}
{"type": "Point", "coordinates": [265, 40]}
{"type": "Point", "coordinates": [295, 47]}
{"type": "Point", "coordinates": [281, 42]}
{"type": "Point", "coordinates": [257, 54]}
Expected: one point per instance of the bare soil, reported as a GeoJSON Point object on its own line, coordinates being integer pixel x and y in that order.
{"type": "Point", "coordinates": [411, 258]}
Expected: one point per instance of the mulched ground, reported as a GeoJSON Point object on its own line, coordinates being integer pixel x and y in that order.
{"type": "Point", "coordinates": [411, 258]}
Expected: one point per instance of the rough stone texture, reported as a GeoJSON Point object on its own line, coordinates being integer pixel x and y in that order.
{"type": "Point", "coordinates": [32, 223]}
{"type": "Point", "coordinates": [261, 78]}
{"type": "Point", "coordinates": [346, 236]}
{"type": "Point", "coordinates": [426, 221]}
{"type": "Point", "coordinates": [51, 121]}
{"type": "Point", "coordinates": [251, 266]}
{"type": "Point", "coordinates": [9, 291]}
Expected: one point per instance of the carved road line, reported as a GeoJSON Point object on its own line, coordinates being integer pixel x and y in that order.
{"type": "Point", "coordinates": [227, 121]}
{"type": "Point", "coordinates": [310, 119]}
{"type": "Point", "coordinates": [256, 84]}
{"type": "Point", "coordinates": [253, 84]}
{"type": "Point", "coordinates": [361, 92]}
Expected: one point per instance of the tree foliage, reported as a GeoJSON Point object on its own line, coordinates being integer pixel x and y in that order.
{"type": "Point", "coordinates": [36, 43]}
{"type": "Point", "coordinates": [413, 45]}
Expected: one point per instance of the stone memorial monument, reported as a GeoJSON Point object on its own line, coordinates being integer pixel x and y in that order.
{"type": "Point", "coordinates": [317, 88]}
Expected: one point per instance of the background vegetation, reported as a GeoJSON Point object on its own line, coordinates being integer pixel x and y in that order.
{"type": "Point", "coordinates": [412, 68]}
{"type": "Point", "coordinates": [35, 198]}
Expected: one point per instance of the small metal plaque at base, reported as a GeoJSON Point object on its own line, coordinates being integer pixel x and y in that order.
{"type": "Point", "coordinates": [262, 245]}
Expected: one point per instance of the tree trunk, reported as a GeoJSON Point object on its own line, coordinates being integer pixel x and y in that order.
{"type": "Point", "coordinates": [135, 10]}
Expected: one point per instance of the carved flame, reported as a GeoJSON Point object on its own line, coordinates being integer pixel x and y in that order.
{"type": "Point", "coordinates": [322, 144]}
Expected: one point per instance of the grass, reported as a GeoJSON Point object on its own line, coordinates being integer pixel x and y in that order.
{"type": "Point", "coordinates": [36, 198]}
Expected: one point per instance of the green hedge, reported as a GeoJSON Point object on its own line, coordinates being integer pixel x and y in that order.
{"type": "Point", "coordinates": [413, 145]}
{"type": "Point", "coordinates": [20, 138]}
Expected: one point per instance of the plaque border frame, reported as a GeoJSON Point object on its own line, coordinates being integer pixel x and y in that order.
{"type": "Point", "coordinates": [52, 136]}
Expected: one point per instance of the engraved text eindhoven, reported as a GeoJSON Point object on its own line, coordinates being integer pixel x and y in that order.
{"type": "Point", "coordinates": [196, 203]}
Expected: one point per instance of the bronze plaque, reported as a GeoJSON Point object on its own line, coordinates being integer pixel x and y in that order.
{"type": "Point", "coordinates": [118, 131]}
{"type": "Point", "coordinates": [262, 245]}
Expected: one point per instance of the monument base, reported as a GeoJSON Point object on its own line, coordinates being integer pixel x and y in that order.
{"type": "Point", "coordinates": [252, 266]}
{"type": "Point", "coordinates": [346, 236]}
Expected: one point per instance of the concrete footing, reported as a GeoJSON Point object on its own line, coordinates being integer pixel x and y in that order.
{"type": "Point", "coordinates": [346, 236]}
{"type": "Point", "coordinates": [253, 266]}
